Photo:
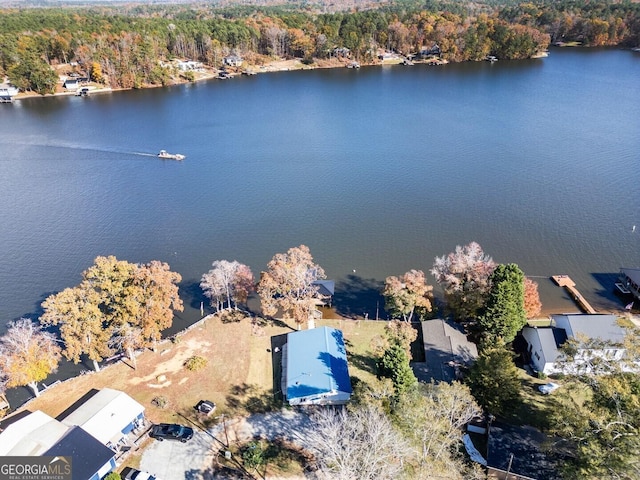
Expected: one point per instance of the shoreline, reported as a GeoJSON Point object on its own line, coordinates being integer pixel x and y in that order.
{"type": "Point", "coordinates": [211, 73]}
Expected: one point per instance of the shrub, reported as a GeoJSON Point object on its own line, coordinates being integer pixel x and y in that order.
{"type": "Point", "coordinates": [195, 363]}
{"type": "Point", "coordinates": [113, 476]}
{"type": "Point", "coordinates": [160, 402]}
{"type": "Point", "coordinates": [542, 375]}
{"type": "Point", "coordinates": [253, 456]}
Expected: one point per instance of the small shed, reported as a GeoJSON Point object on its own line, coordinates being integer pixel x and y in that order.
{"type": "Point", "coordinates": [315, 369]}
{"type": "Point", "coordinates": [90, 459]}
{"type": "Point", "coordinates": [108, 416]}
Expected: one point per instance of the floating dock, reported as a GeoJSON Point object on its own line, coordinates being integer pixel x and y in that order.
{"type": "Point", "coordinates": [570, 286]}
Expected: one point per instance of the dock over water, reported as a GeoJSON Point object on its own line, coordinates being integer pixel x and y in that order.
{"type": "Point", "coordinates": [570, 286]}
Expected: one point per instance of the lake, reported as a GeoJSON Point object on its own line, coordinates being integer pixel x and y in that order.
{"type": "Point", "coordinates": [377, 170]}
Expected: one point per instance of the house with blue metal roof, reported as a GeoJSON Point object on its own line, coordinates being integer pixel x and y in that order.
{"type": "Point", "coordinates": [314, 366]}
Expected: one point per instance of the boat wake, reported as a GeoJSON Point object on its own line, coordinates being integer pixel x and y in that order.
{"type": "Point", "coordinates": [75, 146]}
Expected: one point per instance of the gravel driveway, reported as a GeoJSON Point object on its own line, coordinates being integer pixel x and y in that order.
{"type": "Point", "coordinates": [172, 460]}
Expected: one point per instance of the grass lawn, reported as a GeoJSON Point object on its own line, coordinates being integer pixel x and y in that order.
{"type": "Point", "coordinates": [357, 336]}
{"type": "Point", "coordinates": [535, 407]}
{"type": "Point", "coordinates": [239, 375]}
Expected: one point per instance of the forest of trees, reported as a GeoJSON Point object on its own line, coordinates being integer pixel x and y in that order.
{"type": "Point", "coordinates": [123, 46]}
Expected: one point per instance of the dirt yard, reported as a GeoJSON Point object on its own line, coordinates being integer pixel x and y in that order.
{"type": "Point", "coordinates": [238, 376]}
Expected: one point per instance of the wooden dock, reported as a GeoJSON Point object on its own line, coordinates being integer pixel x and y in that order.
{"type": "Point", "coordinates": [570, 286]}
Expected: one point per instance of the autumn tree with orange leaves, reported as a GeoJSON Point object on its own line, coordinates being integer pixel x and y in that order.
{"type": "Point", "coordinates": [532, 303]}
{"type": "Point", "coordinates": [408, 294]}
{"type": "Point", "coordinates": [288, 284]}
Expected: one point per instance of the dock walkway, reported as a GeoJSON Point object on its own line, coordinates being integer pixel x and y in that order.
{"type": "Point", "coordinates": [569, 285]}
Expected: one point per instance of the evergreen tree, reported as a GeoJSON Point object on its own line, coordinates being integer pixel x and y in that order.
{"type": "Point", "coordinates": [493, 380]}
{"type": "Point", "coordinates": [394, 364]}
{"type": "Point", "coordinates": [504, 314]}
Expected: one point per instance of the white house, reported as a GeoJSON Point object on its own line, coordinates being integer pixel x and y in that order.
{"type": "Point", "coordinates": [30, 435]}
{"type": "Point", "coordinates": [189, 66]}
{"type": "Point", "coordinates": [34, 434]}
{"type": "Point", "coordinates": [71, 84]}
{"type": "Point", "coordinates": [8, 90]}
{"type": "Point", "coordinates": [544, 343]}
{"type": "Point", "coordinates": [108, 416]}
{"type": "Point", "coordinates": [232, 61]}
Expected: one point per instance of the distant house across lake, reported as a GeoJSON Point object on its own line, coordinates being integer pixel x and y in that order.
{"type": "Point", "coordinates": [232, 61]}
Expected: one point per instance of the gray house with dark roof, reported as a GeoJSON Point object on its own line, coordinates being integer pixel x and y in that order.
{"type": "Point", "coordinates": [544, 343]}
{"type": "Point", "coordinates": [446, 349]}
{"type": "Point", "coordinates": [91, 460]}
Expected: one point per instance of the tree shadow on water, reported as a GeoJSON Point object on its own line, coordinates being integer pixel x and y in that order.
{"type": "Point", "coordinates": [192, 295]}
{"type": "Point", "coordinates": [359, 297]}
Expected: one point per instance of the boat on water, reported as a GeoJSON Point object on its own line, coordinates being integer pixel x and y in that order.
{"type": "Point", "coordinates": [353, 65]}
{"type": "Point", "coordinates": [170, 156]}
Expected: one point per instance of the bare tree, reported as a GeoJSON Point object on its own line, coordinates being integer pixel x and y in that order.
{"type": "Point", "coordinates": [127, 338]}
{"type": "Point", "coordinates": [288, 284]}
{"type": "Point", "coordinates": [408, 294]}
{"type": "Point", "coordinates": [464, 275]}
{"type": "Point", "coordinates": [361, 444]}
{"type": "Point", "coordinates": [230, 281]}
{"type": "Point", "coordinates": [433, 420]}
{"type": "Point", "coordinates": [27, 354]}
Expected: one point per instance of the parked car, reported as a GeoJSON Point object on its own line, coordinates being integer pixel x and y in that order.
{"type": "Point", "coordinates": [171, 431]}
{"type": "Point", "coordinates": [205, 407]}
{"type": "Point", "coordinates": [133, 474]}
{"type": "Point", "coordinates": [547, 388]}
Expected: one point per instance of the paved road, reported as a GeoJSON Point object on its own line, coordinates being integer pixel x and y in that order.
{"type": "Point", "coordinates": [171, 460]}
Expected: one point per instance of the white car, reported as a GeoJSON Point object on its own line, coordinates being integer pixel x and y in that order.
{"type": "Point", "coordinates": [547, 388]}
{"type": "Point", "coordinates": [134, 474]}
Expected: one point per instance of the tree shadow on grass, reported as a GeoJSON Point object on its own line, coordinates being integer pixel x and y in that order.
{"type": "Point", "coordinates": [366, 363]}
{"type": "Point", "coordinates": [251, 399]}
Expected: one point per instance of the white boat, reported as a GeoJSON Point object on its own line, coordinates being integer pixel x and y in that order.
{"type": "Point", "coordinates": [170, 156]}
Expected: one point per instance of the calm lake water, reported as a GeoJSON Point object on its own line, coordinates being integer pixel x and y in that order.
{"type": "Point", "coordinates": [377, 170]}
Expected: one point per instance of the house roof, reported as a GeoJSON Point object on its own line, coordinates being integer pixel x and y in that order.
{"type": "Point", "coordinates": [31, 435]}
{"type": "Point", "coordinates": [88, 454]}
{"type": "Point", "coordinates": [316, 363]}
{"type": "Point", "coordinates": [604, 327]}
{"type": "Point", "coordinates": [325, 287]}
{"type": "Point", "coordinates": [445, 345]}
{"type": "Point", "coordinates": [526, 445]}
{"type": "Point", "coordinates": [105, 415]}
{"type": "Point", "coordinates": [550, 339]}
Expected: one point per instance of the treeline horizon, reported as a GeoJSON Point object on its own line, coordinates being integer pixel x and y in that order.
{"type": "Point", "coordinates": [125, 45]}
